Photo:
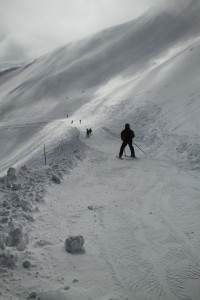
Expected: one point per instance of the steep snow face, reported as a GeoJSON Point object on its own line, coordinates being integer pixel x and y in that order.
{"type": "Point", "coordinates": [144, 72]}
{"type": "Point", "coordinates": [56, 81]}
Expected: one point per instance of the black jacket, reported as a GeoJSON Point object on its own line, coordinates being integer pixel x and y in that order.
{"type": "Point", "coordinates": [127, 135]}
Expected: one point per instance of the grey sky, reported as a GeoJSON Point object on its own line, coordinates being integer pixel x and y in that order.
{"type": "Point", "coordinates": [30, 28]}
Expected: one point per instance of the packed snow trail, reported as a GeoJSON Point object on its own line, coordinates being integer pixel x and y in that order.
{"type": "Point", "coordinates": [142, 233]}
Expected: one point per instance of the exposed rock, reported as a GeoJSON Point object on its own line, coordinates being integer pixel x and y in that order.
{"type": "Point", "coordinates": [3, 179]}
{"type": "Point", "coordinates": [16, 237]}
{"type": "Point", "coordinates": [57, 295]}
{"type": "Point", "coordinates": [17, 202]}
{"type": "Point", "coordinates": [8, 260]}
{"type": "Point", "coordinates": [42, 243]}
{"type": "Point", "coordinates": [11, 173]}
{"type": "Point", "coordinates": [29, 217]}
{"type": "Point", "coordinates": [74, 243]}
{"type": "Point", "coordinates": [38, 198]}
{"type": "Point", "coordinates": [21, 246]}
{"type": "Point", "coordinates": [8, 185]}
{"type": "Point", "coordinates": [32, 295]}
{"type": "Point", "coordinates": [56, 179]}
{"type": "Point", "coordinates": [4, 220]}
{"type": "Point", "coordinates": [26, 264]}
{"type": "Point", "coordinates": [91, 207]}
{"type": "Point", "coordinates": [2, 241]}
{"type": "Point", "coordinates": [16, 186]}
{"type": "Point", "coordinates": [4, 213]}
{"type": "Point", "coordinates": [6, 203]}
{"type": "Point", "coordinates": [24, 168]}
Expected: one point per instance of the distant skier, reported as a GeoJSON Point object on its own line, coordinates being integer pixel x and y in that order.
{"type": "Point", "coordinates": [71, 121]}
{"type": "Point", "coordinates": [90, 131]}
{"type": "Point", "coordinates": [80, 121]}
{"type": "Point", "coordinates": [87, 132]}
{"type": "Point", "coordinates": [127, 135]}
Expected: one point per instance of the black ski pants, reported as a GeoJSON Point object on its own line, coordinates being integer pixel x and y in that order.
{"type": "Point", "coordinates": [124, 144]}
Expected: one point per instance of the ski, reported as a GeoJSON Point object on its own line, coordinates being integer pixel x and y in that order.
{"type": "Point", "coordinates": [127, 157]}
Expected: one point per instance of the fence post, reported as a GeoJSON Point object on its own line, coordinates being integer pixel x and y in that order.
{"type": "Point", "coordinates": [45, 157]}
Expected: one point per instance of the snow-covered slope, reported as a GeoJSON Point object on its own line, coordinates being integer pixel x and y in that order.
{"type": "Point", "coordinates": [142, 227]}
{"type": "Point", "coordinates": [125, 51]}
{"type": "Point", "coordinates": [112, 76]}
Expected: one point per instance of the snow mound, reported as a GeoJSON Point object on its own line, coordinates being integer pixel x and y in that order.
{"type": "Point", "coordinates": [11, 173]}
{"type": "Point", "coordinates": [8, 259]}
{"type": "Point", "coordinates": [53, 296]}
{"type": "Point", "coordinates": [74, 243]}
{"type": "Point", "coordinates": [17, 238]}
{"type": "Point", "coordinates": [23, 190]}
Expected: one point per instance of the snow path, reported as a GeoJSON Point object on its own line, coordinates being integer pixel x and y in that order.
{"type": "Point", "coordinates": [142, 238]}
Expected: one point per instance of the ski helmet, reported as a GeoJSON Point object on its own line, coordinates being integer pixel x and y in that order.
{"type": "Point", "coordinates": [127, 126]}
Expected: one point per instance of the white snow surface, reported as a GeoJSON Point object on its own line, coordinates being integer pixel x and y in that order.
{"type": "Point", "coordinates": [140, 218]}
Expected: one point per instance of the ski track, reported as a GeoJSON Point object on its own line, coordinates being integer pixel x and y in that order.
{"type": "Point", "coordinates": [139, 244]}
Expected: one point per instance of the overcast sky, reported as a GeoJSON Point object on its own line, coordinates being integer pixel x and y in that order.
{"type": "Point", "coordinates": [30, 28]}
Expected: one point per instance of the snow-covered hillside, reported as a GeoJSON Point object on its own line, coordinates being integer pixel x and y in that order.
{"type": "Point", "coordinates": [142, 227]}
{"type": "Point", "coordinates": [112, 77]}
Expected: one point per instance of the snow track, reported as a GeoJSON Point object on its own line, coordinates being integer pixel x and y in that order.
{"type": "Point", "coordinates": [142, 233]}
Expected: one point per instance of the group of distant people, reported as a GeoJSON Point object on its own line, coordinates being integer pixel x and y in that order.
{"type": "Point", "coordinates": [88, 132]}
{"type": "Point", "coordinates": [72, 120]}
{"type": "Point", "coordinates": [127, 136]}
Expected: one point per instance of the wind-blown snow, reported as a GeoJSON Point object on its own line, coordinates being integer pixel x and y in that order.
{"type": "Point", "coordinates": [139, 219]}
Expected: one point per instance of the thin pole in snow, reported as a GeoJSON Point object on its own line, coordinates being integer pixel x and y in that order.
{"type": "Point", "coordinates": [45, 157]}
{"type": "Point", "coordinates": [139, 148]}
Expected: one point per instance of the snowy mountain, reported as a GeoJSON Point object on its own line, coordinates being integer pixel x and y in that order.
{"type": "Point", "coordinates": [11, 65]}
{"type": "Point", "coordinates": [149, 61]}
{"type": "Point", "coordinates": [142, 226]}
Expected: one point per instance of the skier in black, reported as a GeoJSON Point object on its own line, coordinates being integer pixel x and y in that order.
{"type": "Point", "coordinates": [87, 132]}
{"type": "Point", "coordinates": [90, 131]}
{"type": "Point", "coordinates": [127, 135]}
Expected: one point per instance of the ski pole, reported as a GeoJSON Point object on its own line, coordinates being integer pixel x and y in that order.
{"type": "Point", "coordinates": [124, 152]}
{"type": "Point", "coordinates": [139, 148]}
